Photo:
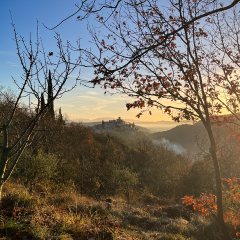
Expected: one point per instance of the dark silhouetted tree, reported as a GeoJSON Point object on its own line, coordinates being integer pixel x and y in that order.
{"type": "Point", "coordinates": [42, 102]}
{"type": "Point", "coordinates": [50, 96]}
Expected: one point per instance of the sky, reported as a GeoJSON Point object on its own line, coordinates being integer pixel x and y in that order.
{"type": "Point", "coordinates": [82, 102]}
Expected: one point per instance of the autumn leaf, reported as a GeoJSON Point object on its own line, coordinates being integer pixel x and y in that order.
{"type": "Point", "coordinates": [115, 13]}
{"type": "Point", "coordinates": [138, 116]}
{"type": "Point", "coordinates": [50, 54]}
{"type": "Point", "coordinates": [234, 179]}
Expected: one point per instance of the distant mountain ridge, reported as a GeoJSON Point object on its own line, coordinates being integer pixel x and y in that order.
{"type": "Point", "coordinates": [86, 120]}
{"type": "Point", "coordinates": [144, 126]}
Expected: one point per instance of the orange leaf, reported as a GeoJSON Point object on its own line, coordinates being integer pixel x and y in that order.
{"type": "Point", "coordinates": [234, 179]}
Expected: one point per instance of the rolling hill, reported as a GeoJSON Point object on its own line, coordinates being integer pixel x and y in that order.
{"type": "Point", "coordinates": [185, 135]}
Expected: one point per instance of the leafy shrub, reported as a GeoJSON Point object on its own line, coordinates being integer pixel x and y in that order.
{"type": "Point", "coordinates": [125, 180]}
{"type": "Point", "coordinates": [40, 168]}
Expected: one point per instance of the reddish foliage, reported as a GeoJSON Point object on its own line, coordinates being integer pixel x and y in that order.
{"type": "Point", "coordinates": [207, 204]}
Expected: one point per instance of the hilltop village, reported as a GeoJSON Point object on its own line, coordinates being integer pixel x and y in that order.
{"type": "Point", "coordinates": [116, 126]}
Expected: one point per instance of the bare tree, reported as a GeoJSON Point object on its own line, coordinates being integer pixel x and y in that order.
{"type": "Point", "coordinates": [18, 124]}
{"type": "Point", "coordinates": [87, 8]}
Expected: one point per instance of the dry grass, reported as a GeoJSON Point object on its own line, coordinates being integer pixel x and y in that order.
{"type": "Point", "coordinates": [67, 215]}
{"type": "Point", "coordinates": [64, 215]}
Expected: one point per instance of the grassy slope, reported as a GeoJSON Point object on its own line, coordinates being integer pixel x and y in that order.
{"type": "Point", "coordinates": [65, 215]}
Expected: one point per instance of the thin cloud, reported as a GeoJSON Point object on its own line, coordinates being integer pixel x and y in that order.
{"type": "Point", "coordinates": [12, 64]}
{"type": "Point", "coordinates": [72, 76]}
{"type": "Point", "coordinates": [104, 101]}
{"type": "Point", "coordinates": [85, 108]}
{"type": "Point", "coordinates": [93, 93]}
{"type": "Point", "coordinates": [99, 100]}
{"type": "Point", "coordinates": [67, 105]}
{"type": "Point", "coordinates": [7, 53]}
{"type": "Point", "coordinates": [100, 109]}
{"type": "Point", "coordinates": [87, 97]}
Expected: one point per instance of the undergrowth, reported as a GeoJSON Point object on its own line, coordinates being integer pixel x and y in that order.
{"type": "Point", "coordinates": [67, 215]}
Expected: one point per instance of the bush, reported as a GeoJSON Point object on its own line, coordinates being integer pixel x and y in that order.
{"type": "Point", "coordinates": [125, 180]}
{"type": "Point", "coordinates": [32, 169]}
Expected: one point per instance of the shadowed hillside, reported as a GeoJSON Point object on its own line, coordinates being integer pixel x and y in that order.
{"type": "Point", "coordinates": [185, 135]}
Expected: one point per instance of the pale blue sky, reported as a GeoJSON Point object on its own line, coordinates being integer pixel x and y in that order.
{"type": "Point", "coordinates": [81, 102]}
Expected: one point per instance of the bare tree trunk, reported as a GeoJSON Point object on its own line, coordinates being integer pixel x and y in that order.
{"type": "Point", "coordinates": [218, 180]}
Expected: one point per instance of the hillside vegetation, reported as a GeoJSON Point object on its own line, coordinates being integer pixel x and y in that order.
{"type": "Point", "coordinates": [60, 184]}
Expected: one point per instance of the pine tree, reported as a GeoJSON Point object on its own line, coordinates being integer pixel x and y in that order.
{"type": "Point", "coordinates": [50, 96]}
{"type": "Point", "coordinates": [60, 116]}
{"type": "Point", "coordinates": [42, 102]}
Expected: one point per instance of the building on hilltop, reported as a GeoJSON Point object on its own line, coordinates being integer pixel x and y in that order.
{"type": "Point", "coordinates": [115, 126]}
